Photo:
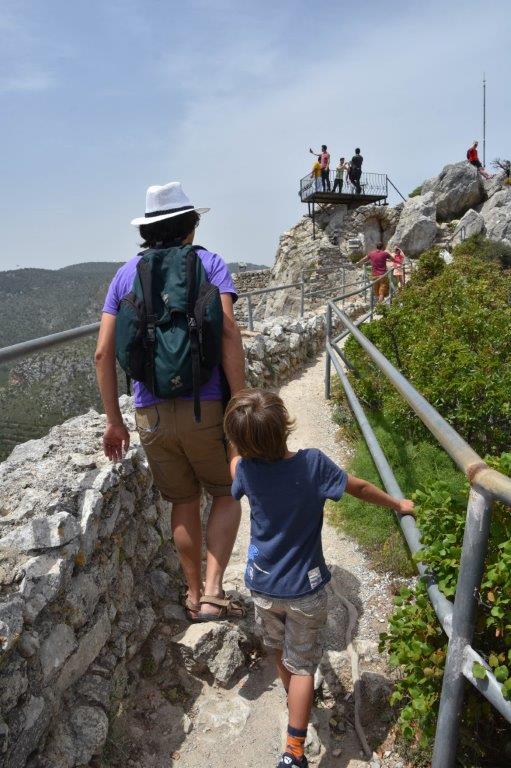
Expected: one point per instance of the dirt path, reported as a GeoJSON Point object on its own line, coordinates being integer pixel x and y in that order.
{"type": "Point", "coordinates": [244, 726]}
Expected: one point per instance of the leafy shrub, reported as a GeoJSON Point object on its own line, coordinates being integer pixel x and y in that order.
{"type": "Point", "coordinates": [488, 250]}
{"type": "Point", "coordinates": [415, 641]}
{"type": "Point", "coordinates": [416, 192]}
{"type": "Point", "coordinates": [430, 264]}
{"type": "Point", "coordinates": [450, 337]}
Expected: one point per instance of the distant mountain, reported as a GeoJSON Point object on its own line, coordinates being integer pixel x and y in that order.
{"type": "Point", "coordinates": [244, 266]}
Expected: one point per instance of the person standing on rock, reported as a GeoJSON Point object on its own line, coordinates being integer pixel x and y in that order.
{"type": "Point", "coordinates": [286, 570]}
{"type": "Point", "coordinates": [324, 159]}
{"type": "Point", "coordinates": [185, 454]}
{"type": "Point", "coordinates": [398, 257]}
{"type": "Point", "coordinates": [378, 260]}
{"type": "Point", "coordinates": [339, 175]}
{"type": "Point", "coordinates": [355, 172]}
{"type": "Point", "coordinates": [473, 159]}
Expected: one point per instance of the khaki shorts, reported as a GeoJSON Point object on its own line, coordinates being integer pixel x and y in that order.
{"type": "Point", "coordinates": [183, 455]}
{"type": "Point", "coordinates": [296, 627]}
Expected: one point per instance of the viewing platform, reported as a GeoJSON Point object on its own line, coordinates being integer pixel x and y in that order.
{"type": "Point", "coordinates": [374, 188]}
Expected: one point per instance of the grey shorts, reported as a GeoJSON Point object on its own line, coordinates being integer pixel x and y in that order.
{"type": "Point", "coordinates": [294, 626]}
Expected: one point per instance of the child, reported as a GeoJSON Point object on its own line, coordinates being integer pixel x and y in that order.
{"type": "Point", "coordinates": [286, 570]}
{"type": "Point", "coordinates": [398, 259]}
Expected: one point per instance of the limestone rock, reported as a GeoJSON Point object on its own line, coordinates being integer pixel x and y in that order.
{"type": "Point", "coordinates": [33, 721]}
{"type": "Point", "coordinates": [88, 648]}
{"type": "Point", "coordinates": [78, 738]}
{"type": "Point", "coordinates": [95, 689]}
{"type": "Point", "coordinates": [456, 189]}
{"type": "Point", "coordinates": [416, 230]}
{"type": "Point", "coordinates": [42, 533]}
{"type": "Point", "coordinates": [472, 223]}
{"type": "Point", "coordinates": [496, 213]}
{"type": "Point", "coordinates": [14, 684]}
{"type": "Point", "coordinates": [11, 622]}
{"type": "Point", "coordinates": [43, 579]}
{"type": "Point", "coordinates": [212, 646]}
{"type": "Point", "coordinates": [57, 647]}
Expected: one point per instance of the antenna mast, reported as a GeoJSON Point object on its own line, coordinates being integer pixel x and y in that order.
{"type": "Point", "coordinates": [484, 119]}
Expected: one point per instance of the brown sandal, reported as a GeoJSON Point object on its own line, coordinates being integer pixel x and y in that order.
{"type": "Point", "coordinates": [229, 609]}
{"type": "Point", "coordinates": [192, 610]}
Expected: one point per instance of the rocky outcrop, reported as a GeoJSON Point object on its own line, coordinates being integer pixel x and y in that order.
{"type": "Point", "coordinates": [456, 189]}
{"type": "Point", "coordinates": [416, 230]}
{"type": "Point", "coordinates": [472, 223]}
{"type": "Point", "coordinates": [496, 213]}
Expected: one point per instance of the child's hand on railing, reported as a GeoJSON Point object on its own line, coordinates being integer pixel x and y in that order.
{"type": "Point", "coordinates": [406, 507]}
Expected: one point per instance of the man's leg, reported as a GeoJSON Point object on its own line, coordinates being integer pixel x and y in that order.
{"type": "Point", "coordinates": [222, 528]}
{"type": "Point", "coordinates": [187, 533]}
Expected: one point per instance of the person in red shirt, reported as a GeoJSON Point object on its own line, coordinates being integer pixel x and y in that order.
{"type": "Point", "coordinates": [378, 260]}
{"type": "Point", "coordinates": [473, 159]}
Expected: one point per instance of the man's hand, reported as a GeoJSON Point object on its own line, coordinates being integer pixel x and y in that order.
{"type": "Point", "coordinates": [116, 441]}
{"type": "Point", "coordinates": [406, 507]}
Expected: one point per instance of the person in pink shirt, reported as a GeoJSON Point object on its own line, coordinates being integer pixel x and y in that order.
{"type": "Point", "coordinates": [324, 159]}
{"type": "Point", "coordinates": [378, 260]}
{"type": "Point", "coordinates": [398, 257]}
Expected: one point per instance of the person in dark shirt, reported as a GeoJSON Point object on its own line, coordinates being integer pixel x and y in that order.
{"type": "Point", "coordinates": [286, 571]}
{"type": "Point", "coordinates": [356, 170]}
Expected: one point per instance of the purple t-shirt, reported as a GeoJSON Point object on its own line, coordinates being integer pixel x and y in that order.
{"type": "Point", "coordinates": [122, 283]}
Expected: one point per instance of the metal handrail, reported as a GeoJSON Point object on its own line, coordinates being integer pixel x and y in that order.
{"type": "Point", "coordinates": [458, 618]}
{"type": "Point", "coordinates": [23, 348]}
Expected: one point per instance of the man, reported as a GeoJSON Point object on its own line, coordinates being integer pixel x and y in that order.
{"type": "Point", "coordinates": [183, 455]}
{"type": "Point", "coordinates": [378, 260]}
{"type": "Point", "coordinates": [473, 159]}
{"type": "Point", "coordinates": [339, 174]}
{"type": "Point", "coordinates": [356, 170]}
{"type": "Point", "coordinates": [324, 159]}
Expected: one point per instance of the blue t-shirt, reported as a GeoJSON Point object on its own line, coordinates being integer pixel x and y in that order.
{"type": "Point", "coordinates": [285, 556]}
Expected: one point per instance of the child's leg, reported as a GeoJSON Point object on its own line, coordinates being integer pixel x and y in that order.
{"type": "Point", "coordinates": [284, 673]}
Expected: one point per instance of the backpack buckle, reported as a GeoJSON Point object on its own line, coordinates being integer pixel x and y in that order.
{"type": "Point", "coordinates": [192, 323]}
{"type": "Point", "coordinates": [150, 330]}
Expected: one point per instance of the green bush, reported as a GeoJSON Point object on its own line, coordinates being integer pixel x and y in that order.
{"type": "Point", "coordinates": [450, 336]}
{"type": "Point", "coordinates": [429, 265]}
{"type": "Point", "coordinates": [415, 641]}
{"type": "Point", "coordinates": [416, 192]}
{"type": "Point", "coordinates": [480, 247]}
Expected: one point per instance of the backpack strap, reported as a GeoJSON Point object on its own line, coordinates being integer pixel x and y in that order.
{"type": "Point", "coordinates": [191, 296]}
{"type": "Point", "coordinates": [144, 273]}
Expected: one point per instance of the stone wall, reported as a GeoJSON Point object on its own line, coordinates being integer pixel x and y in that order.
{"type": "Point", "coordinates": [89, 578]}
{"type": "Point", "coordinates": [251, 281]}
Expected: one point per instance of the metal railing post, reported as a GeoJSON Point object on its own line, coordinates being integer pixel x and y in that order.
{"type": "Point", "coordinates": [302, 296]}
{"type": "Point", "coordinates": [473, 553]}
{"type": "Point", "coordinates": [249, 311]}
{"type": "Point", "coordinates": [328, 362]}
{"type": "Point", "coordinates": [343, 278]}
{"type": "Point", "coordinates": [372, 302]}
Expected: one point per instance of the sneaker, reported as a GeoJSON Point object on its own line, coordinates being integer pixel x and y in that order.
{"type": "Point", "coordinates": [288, 761]}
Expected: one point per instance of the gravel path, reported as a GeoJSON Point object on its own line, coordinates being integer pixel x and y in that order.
{"type": "Point", "coordinates": [244, 726]}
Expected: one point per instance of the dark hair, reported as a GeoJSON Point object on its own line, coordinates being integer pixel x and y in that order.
{"type": "Point", "coordinates": [342, 158]}
{"type": "Point", "coordinates": [357, 151]}
{"type": "Point", "coordinates": [323, 147]}
{"type": "Point", "coordinates": [379, 246]}
{"type": "Point", "coordinates": [169, 231]}
{"type": "Point", "coordinates": [257, 423]}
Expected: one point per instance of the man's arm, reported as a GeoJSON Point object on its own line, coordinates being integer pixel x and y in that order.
{"type": "Point", "coordinates": [366, 491]}
{"type": "Point", "coordinates": [116, 437]}
{"type": "Point", "coordinates": [233, 354]}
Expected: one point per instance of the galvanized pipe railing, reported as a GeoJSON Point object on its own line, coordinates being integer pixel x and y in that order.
{"type": "Point", "coordinates": [457, 619]}
{"type": "Point", "coordinates": [24, 348]}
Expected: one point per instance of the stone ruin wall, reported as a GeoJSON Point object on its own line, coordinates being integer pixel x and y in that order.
{"type": "Point", "coordinates": [90, 581]}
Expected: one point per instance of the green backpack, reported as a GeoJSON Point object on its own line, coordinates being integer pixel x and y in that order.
{"type": "Point", "coordinates": [168, 333]}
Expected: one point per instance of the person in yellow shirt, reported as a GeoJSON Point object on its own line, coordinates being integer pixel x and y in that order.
{"type": "Point", "coordinates": [316, 174]}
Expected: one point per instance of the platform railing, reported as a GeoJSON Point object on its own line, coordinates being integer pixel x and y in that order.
{"type": "Point", "coordinates": [371, 185]}
{"type": "Point", "coordinates": [487, 485]}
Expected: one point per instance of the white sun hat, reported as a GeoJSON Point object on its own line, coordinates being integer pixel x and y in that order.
{"type": "Point", "coordinates": [163, 202]}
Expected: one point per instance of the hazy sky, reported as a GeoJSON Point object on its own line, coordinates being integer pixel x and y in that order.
{"type": "Point", "coordinates": [102, 98]}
